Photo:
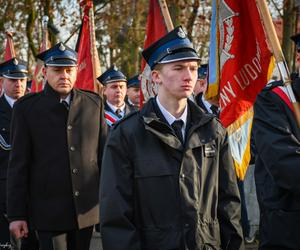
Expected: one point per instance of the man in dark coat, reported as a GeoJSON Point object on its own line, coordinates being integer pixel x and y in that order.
{"type": "Point", "coordinates": [114, 90]}
{"type": "Point", "coordinates": [200, 89]}
{"type": "Point", "coordinates": [168, 180]}
{"type": "Point", "coordinates": [53, 174]}
{"type": "Point", "coordinates": [13, 75]}
{"type": "Point", "coordinates": [277, 168]}
{"type": "Point", "coordinates": [133, 92]}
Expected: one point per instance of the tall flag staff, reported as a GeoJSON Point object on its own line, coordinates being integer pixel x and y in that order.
{"type": "Point", "coordinates": [279, 57]}
{"type": "Point", "coordinates": [239, 67]}
{"type": "Point", "coordinates": [88, 59]}
{"type": "Point", "coordinates": [158, 24]}
{"type": "Point", "coordinates": [38, 80]}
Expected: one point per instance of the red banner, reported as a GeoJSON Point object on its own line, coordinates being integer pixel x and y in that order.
{"type": "Point", "coordinates": [244, 59]}
{"type": "Point", "coordinates": [9, 48]}
{"type": "Point", "coordinates": [155, 29]}
{"type": "Point", "coordinates": [37, 84]}
{"type": "Point", "coordinates": [88, 61]}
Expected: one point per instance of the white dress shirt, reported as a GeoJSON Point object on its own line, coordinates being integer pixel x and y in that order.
{"type": "Point", "coordinates": [170, 118]}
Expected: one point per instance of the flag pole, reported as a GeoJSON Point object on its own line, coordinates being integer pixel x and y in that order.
{"type": "Point", "coordinates": [166, 14]}
{"type": "Point", "coordinates": [279, 57]}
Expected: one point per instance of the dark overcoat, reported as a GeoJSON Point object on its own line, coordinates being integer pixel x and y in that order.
{"type": "Point", "coordinates": [277, 170]}
{"type": "Point", "coordinates": [5, 118]}
{"type": "Point", "coordinates": [157, 194]}
{"type": "Point", "coordinates": [53, 174]}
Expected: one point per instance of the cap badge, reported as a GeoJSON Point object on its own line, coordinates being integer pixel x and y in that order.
{"type": "Point", "coordinates": [15, 62]}
{"type": "Point", "coordinates": [181, 33]}
{"type": "Point", "coordinates": [62, 47]}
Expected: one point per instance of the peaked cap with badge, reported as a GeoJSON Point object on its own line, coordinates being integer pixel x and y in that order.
{"type": "Point", "coordinates": [112, 75]}
{"type": "Point", "coordinates": [14, 69]}
{"type": "Point", "coordinates": [133, 82]}
{"type": "Point", "coordinates": [202, 71]}
{"type": "Point", "coordinates": [174, 46]}
{"type": "Point", "coordinates": [296, 39]}
{"type": "Point", "coordinates": [59, 55]}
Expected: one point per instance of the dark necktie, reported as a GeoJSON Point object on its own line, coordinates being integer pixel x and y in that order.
{"type": "Point", "coordinates": [214, 109]}
{"type": "Point", "coordinates": [118, 113]}
{"type": "Point", "coordinates": [66, 105]}
{"type": "Point", "coordinates": [177, 126]}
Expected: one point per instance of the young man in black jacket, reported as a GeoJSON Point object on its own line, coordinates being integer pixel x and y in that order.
{"type": "Point", "coordinates": [168, 180]}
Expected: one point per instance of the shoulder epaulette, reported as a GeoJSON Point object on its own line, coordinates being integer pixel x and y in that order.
{"type": "Point", "coordinates": [88, 91]}
{"type": "Point", "coordinates": [90, 94]}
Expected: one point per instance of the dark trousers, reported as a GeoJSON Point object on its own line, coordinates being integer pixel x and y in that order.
{"type": "Point", "coordinates": [66, 240]}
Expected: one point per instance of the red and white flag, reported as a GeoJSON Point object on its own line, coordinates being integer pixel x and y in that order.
{"type": "Point", "coordinates": [9, 52]}
{"type": "Point", "coordinates": [240, 64]}
{"type": "Point", "coordinates": [88, 59]}
{"type": "Point", "coordinates": [155, 29]}
{"type": "Point", "coordinates": [9, 48]}
{"type": "Point", "coordinates": [38, 81]}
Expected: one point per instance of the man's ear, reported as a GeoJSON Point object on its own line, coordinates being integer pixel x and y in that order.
{"type": "Point", "coordinates": [44, 71]}
{"type": "Point", "coordinates": [104, 89]}
{"type": "Point", "coordinates": [155, 76]}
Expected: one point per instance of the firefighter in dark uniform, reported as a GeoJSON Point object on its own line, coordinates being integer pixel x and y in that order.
{"type": "Point", "coordinates": [277, 167]}
{"type": "Point", "coordinates": [57, 142]}
{"type": "Point", "coordinates": [114, 90]}
{"type": "Point", "coordinates": [168, 180]}
{"type": "Point", "coordinates": [200, 89]}
{"type": "Point", "coordinates": [133, 92]}
{"type": "Point", "coordinates": [13, 75]}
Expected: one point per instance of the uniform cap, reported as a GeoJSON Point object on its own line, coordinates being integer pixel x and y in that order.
{"type": "Point", "coordinates": [59, 55]}
{"type": "Point", "coordinates": [111, 75]}
{"type": "Point", "coordinates": [133, 82]}
{"type": "Point", "coordinates": [174, 46]}
{"type": "Point", "coordinates": [296, 39]}
{"type": "Point", "coordinates": [14, 69]}
{"type": "Point", "coordinates": [202, 71]}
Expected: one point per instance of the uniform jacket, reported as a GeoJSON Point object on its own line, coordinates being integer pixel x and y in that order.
{"type": "Point", "coordinates": [199, 101]}
{"type": "Point", "coordinates": [131, 105]}
{"type": "Point", "coordinates": [277, 171]}
{"type": "Point", "coordinates": [127, 110]}
{"type": "Point", "coordinates": [53, 174]}
{"type": "Point", "coordinates": [5, 118]}
{"type": "Point", "coordinates": [158, 195]}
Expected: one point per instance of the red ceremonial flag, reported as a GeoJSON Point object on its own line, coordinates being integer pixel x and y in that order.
{"type": "Point", "coordinates": [37, 84]}
{"type": "Point", "coordinates": [9, 52]}
{"type": "Point", "coordinates": [88, 60]}
{"type": "Point", "coordinates": [9, 48]}
{"type": "Point", "coordinates": [246, 59]}
{"type": "Point", "coordinates": [155, 29]}
{"type": "Point", "coordinates": [243, 67]}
